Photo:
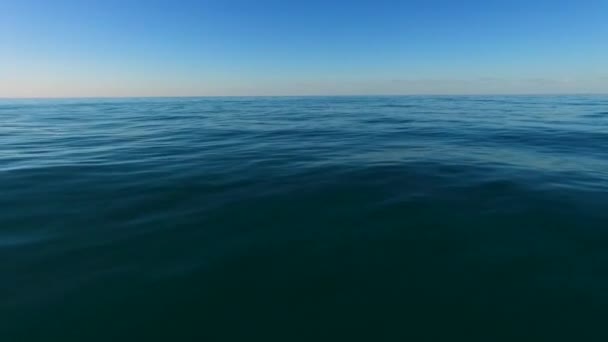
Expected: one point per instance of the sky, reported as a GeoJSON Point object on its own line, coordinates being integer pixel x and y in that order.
{"type": "Point", "coordinates": [108, 48]}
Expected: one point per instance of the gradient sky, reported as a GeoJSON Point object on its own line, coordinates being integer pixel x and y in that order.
{"type": "Point", "coordinates": [69, 48]}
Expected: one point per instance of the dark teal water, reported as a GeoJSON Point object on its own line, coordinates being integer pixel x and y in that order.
{"type": "Point", "coordinates": [308, 219]}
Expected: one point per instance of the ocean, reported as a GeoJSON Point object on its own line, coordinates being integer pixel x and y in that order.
{"type": "Point", "coordinates": [379, 218]}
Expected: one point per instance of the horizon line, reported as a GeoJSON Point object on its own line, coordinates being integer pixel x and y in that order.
{"type": "Point", "coordinates": [294, 95]}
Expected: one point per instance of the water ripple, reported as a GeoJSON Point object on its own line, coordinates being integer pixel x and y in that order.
{"type": "Point", "coordinates": [178, 213]}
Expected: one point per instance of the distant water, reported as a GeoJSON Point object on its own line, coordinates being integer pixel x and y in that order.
{"type": "Point", "coordinates": [304, 219]}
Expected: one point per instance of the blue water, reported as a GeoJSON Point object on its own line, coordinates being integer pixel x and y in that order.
{"type": "Point", "coordinates": [305, 218]}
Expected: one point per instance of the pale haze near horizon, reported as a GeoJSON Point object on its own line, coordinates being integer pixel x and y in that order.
{"type": "Point", "coordinates": [72, 48]}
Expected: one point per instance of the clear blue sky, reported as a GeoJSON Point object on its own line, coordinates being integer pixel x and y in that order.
{"type": "Point", "coordinates": [271, 47]}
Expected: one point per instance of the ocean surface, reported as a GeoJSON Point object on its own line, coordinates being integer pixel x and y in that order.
{"type": "Point", "coordinates": [304, 219]}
